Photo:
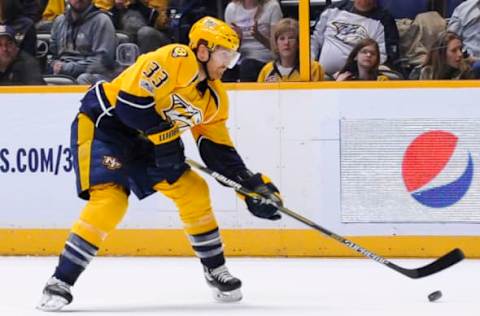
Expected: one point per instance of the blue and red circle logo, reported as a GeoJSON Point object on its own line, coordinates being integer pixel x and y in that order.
{"type": "Point", "coordinates": [425, 159]}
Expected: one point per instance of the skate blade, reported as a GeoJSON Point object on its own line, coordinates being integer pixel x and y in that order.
{"type": "Point", "coordinates": [227, 297]}
{"type": "Point", "coordinates": [51, 303]}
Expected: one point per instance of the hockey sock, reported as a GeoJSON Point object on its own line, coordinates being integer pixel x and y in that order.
{"type": "Point", "coordinates": [208, 247]}
{"type": "Point", "coordinates": [75, 257]}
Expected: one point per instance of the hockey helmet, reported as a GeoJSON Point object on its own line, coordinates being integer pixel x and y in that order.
{"type": "Point", "coordinates": [214, 32]}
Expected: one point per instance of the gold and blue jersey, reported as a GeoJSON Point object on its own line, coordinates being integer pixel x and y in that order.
{"type": "Point", "coordinates": [114, 136]}
{"type": "Point", "coordinates": [163, 85]}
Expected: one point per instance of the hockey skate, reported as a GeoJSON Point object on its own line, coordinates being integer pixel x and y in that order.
{"type": "Point", "coordinates": [226, 288]}
{"type": "Point", "coordinates": [55, 296]}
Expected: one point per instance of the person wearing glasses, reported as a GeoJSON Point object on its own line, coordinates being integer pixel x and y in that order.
{"type": "Point", "coordinates": [362, 63]}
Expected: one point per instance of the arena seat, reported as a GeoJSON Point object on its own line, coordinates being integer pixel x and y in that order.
{"type": "Point", "coordinates": [59, 80]}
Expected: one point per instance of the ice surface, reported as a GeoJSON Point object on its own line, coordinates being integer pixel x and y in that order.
{"type": "Point", "coordinates": [272, 286]}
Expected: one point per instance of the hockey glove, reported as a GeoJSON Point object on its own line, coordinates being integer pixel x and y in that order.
{"type": "Point", "coordinates": [262, 185]}
{"type": "Point", "coordinates": [168, 146]}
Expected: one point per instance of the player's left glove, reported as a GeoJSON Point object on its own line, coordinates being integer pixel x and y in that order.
{"type": "Point", "coordinates": [262, 185]}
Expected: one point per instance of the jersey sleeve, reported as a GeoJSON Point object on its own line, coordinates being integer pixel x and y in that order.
{"type": "Point", "coordinates": [216, 132]}
{"type": "Point", "coordinates": [217, 150]}
{"type": "Point", "coordinates": [215, 144]}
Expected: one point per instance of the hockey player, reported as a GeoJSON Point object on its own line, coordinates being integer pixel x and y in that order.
{"type": "Point", "coordinates": [126, 137]}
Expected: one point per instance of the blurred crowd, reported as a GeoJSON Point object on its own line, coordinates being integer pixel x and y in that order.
{"type": "Point", "coordinates": [85, 41]}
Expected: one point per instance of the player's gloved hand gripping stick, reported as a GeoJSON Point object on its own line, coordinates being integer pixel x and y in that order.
{"type": "Point", "coordinates": [447, 260]}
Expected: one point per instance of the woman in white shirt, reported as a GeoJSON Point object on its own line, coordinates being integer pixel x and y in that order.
{"type": "Point", "coordinates": [253, 20]}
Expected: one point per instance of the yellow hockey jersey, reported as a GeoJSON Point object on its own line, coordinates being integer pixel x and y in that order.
{"type": "Point", "coordinates": [163, 85]}
{"type": "Point", "coordinates": [270, 73]}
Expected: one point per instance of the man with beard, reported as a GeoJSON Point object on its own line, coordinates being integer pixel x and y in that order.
{"type": "Point", "coordinates": [83, 43]}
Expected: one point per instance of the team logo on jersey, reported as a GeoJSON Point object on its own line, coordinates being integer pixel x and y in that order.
{"type": "Point", "coordinates": [350, 34]}
{"type": "Point", "coordinates": [184, 114]}
{"type": "Point", "coordinates": [112, 163]}
{"type": "Point", "coordinates": [179, 52]}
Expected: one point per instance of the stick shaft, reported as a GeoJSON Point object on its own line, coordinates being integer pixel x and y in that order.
{"type": "Point", "coordinates": [442, 263]}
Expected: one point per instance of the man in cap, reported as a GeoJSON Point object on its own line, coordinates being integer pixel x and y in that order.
{"type": "Point", "coordinates": [16, 66]}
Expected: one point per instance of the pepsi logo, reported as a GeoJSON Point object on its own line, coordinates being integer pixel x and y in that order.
{"type": "Point", "coordinates": [427, 169]}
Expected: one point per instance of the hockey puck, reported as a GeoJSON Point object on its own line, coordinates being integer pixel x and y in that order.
{"type": "Point", "coordinates": [432, 297]}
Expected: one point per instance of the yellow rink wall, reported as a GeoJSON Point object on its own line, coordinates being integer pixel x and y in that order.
{"type": "Point", "coordinates": [244, 241]}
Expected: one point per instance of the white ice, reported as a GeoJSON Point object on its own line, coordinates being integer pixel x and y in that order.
{"type": "Point", "coordinates": [276, 287]}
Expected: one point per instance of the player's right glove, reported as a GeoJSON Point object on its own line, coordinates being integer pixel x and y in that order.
{"type": "Point", "coordinates": [168, 146]}
{"type": "Point", "coordinates": [262, 185]}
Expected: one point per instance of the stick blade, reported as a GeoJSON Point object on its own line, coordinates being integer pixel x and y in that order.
{"type": "Point", "coordinates": [447, 260]}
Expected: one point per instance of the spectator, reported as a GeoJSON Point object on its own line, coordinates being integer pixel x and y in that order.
{"type": "Point", "coordinates": [16, 66]}
{"type": "Point", "coordinates": [144, 25]}
{"type": "Point", "coordinates": [465, 21]}
{"type": "Point", "coordinates": [31, 9]}
{"type": "Point", "coordinates": [12, 13]}
{"type": "Point", "coordinates": [445, 60]}
{"type": "Point", "coordinates": [252, 20]}
{"type": "Point", "coordinates": [184, 13]}
{"type": "Point", "coordinates": [362, 63]}
{"type": "Point", "coordinates": [343, 25]}
{"type": "Point", "coordinates": [83, 43]}
{"type": "Point", "coordinates": [285, 47]}
{"type": "Point", "coordinates": [417, 36]}
{"type": "Point", "coordinates": [50, 10]}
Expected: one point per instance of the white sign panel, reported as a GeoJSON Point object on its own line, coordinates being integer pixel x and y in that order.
{"type": "Point", "coordinates": [410, 170]}
{"type": "Point", "coordinates": [356, 161]}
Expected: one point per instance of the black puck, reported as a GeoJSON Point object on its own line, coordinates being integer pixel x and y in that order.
{"type": "Point", "coordinates": [432, 297]}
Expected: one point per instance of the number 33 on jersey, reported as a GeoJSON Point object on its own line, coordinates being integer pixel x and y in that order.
{"type": "Point", "coordinates": [168, 78]}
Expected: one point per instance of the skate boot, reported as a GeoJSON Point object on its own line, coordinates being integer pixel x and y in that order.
{"type": "Point", "coordinates": [226, 288]}
{"type": "Point", "coordinates": [55, 296]}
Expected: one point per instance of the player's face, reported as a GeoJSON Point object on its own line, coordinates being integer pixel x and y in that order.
{"type": "Point", "coordinates": [220, 60]}
{"type": "Point", "coordinates": [367, 57]}
{"type": "Point", "coordinates": [454, 53]}
{"type": "Point", "coordinates": [287, 44]}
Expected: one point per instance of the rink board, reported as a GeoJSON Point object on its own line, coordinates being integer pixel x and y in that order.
{"type": "Point", "coordinates": [239, 242]}
{"type": "Point", "coordinates": [318, 143]}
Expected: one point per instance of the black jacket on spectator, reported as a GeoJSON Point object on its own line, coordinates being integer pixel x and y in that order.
{"type": "Point", "coordinates": [32, 10]}
{"type": "Point", "coordinates": [390, 27]}
{"type": "Point", "coordinates": [23, 71]}
{"type": "Point", "coordinates": [22, 23]}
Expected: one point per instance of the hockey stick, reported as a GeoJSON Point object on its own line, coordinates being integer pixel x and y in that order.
{"type": "Point", "coordinates": [447, 260]}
